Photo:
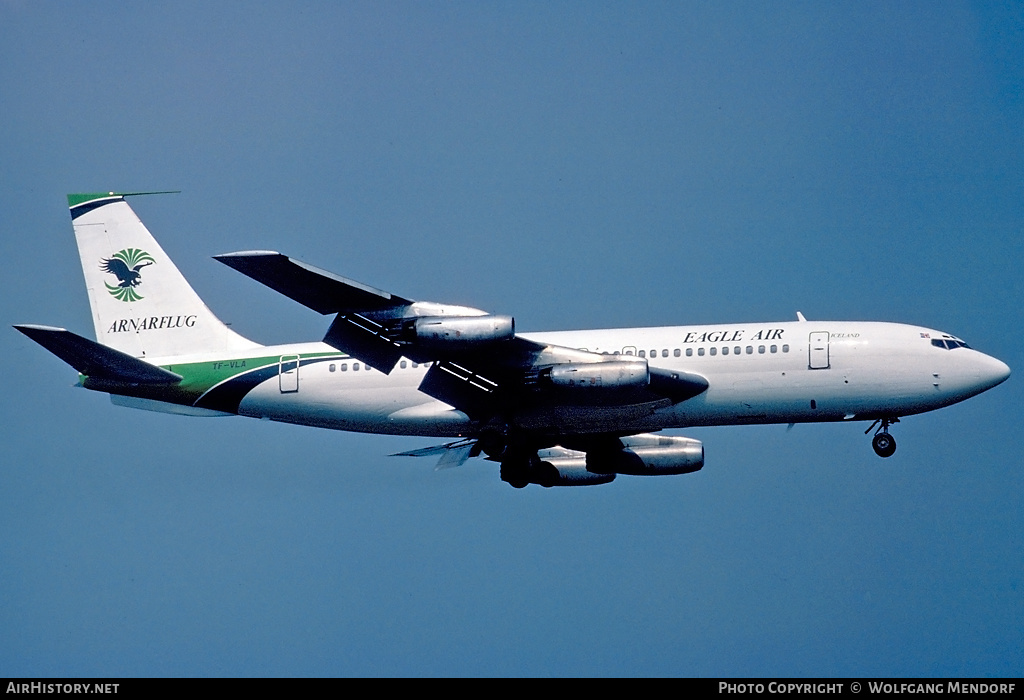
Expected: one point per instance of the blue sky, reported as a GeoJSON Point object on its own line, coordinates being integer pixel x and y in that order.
{"type": "Point", "coordinates": [574, 164]}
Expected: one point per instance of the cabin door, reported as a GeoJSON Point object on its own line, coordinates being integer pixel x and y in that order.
{"type": "Point", "coordinates": [288, 373]}
{"type": "Point", "coordinates": [818, 351]}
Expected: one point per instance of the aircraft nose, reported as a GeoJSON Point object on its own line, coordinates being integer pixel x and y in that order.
{"type": "Point", "coordinates": [991, 372]}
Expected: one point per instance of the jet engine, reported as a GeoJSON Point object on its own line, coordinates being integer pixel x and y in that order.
{"type": "Point", "coordinates": [458, 331]}
{"type": "Point", "coordinates": [554, 471]}
{"type": "Point", "coordinates": [636, 455]}
{"type": "Point", "coordinates": [648, 455]}
{"type": "Point", "coordinates": [618, 374]}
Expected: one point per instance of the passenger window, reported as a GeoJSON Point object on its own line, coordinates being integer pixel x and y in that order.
{"type": "Point", "coordinates": [676, 352]}
{"type": "Point", "coordinates": [355, 366]}
{"type": "Point", "coordinates": [402, 364]}
{"type": "Point", "coordinates": [642, 353]}
{"type": "Point", "coordinates": [654, 353]}
{"type": "Point", "coordinates": [714, 351]}
{"type": "Point", "coordinates": [332, 368]}
{"type": "Point", "coordinates": [700, 351]}
{"type": "Point", "coordinates": [736, 350]}
{"type": "Point", "coordinates": [785, 348]}
{"type": "Point", "coordinates": [760, 349]}
{"type": "Point", "coordinates": [664, 353]}
{"type": "Point", "coordinates": [689, 352]}
{"type": "Point", "coordinates": [725, 351]}
{"type": "Point", "coordinates": [750, 349]}
{"type": "Point", "coordinates": [775, 348]}
{"type": "Point", "coordinates": [344, 367]}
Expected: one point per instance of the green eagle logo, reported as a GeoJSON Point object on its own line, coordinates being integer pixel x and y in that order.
{"type": "Point", "coordinates": [125, 265]}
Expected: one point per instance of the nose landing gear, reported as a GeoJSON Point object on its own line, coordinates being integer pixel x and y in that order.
{"type": "Point", "coordinates": [883, 443]}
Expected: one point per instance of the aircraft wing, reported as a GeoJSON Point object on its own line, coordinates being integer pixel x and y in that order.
{"type": "Point", "coordinates": [477, 362]}
{"type": "Point", "coordinates": [318, 289]}
{"type": "Point", "coordinates": [358, 328]}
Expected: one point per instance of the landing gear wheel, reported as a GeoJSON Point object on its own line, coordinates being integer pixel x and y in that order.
{"type": "Point", "coordinates": [520, 470]}
{"type": "Point", "coordinates": [545, 474]}
{"type": "Point", "coordinates": [515, 474]}
{"type": "Point", "coordinates": [884, 444]}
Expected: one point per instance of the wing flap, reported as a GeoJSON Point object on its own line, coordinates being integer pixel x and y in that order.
{"type": "Point", "coordinates": [468, 391]}
{"type": "Point", "coordinates": [97, 361]}
{"type": "Point", "coordinates": [365, 339]}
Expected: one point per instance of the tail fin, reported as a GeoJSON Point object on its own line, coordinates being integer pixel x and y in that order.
{"type": "Point", "coordinates": [141, 304]}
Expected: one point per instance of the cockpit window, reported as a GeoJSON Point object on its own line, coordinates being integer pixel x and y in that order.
{"type": "Point", "coordinates": [949, 343]}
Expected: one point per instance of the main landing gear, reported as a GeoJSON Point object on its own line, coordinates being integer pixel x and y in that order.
{"type": "Point", "coordinates": [883, 443]}
{"type": "Point", "coordinates": [522, 468]}
{"type": "Point", "coordinates": [531, 470]}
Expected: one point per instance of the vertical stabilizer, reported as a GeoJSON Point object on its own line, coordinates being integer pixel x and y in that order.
{"type": "Point", "coordinates": [141, 304]}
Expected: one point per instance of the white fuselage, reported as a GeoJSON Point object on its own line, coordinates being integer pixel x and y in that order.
{"type": "Point", "coordinates": [784, 372]}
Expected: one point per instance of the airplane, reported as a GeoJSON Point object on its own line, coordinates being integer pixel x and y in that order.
{"type": "Point", "coordinates": [567, 408]}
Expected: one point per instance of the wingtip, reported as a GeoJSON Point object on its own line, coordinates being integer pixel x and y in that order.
{"type": "Point", "coordinates": [245, 254]}
{"type": "Point", "coordinates": [27, 328]}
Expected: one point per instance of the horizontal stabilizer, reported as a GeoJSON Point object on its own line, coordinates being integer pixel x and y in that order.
{"type": "Point", "coordinates": [97, 361]}
{"type": "Point", "coordinates": [432, 451]}
{"type": "Point", "coordinates": [453, 454]}
{"type": "Point", "coordinates": [318, 289]}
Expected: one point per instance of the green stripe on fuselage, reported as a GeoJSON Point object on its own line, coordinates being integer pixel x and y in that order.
{"type": "Point", "coordinates": [199, 378]}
